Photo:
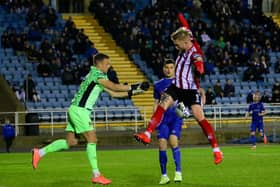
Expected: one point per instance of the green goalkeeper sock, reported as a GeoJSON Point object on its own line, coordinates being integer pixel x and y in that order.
{"type": "Point", "coordinates": [91, 152]}
{"type": "Point", "coordinates": [55, 146]}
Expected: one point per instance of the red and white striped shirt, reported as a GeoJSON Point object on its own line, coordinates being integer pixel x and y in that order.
{"type": "Point", "coordinates": [184, 75]}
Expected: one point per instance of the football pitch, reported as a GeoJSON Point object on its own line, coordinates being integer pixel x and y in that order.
{"type": "Point", "coordinates": [139, 168]}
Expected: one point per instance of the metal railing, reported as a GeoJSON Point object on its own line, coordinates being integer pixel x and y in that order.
{"type": "Point", "coordinates": [130, 117]}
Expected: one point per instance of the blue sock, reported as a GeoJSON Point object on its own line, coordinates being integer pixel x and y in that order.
{"type": "Point", "coordinates": [177, 158]}
{"type": "Point", "coordinates": [253, 139]}
{"type": "Point", "coordinates": [163, 161]}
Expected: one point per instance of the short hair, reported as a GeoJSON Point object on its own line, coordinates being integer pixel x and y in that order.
{"type": "Point", "coordinates": [180, 34]}
{"type": "Point", "coordinates": [168, 61]}
{"type": "Point", "coordinates": [99, 57]}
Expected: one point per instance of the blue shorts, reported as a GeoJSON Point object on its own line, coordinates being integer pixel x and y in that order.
{"type": "Point", "coordinates": [171, 125]}
{"type": "Point", "coordinates": [255, 126]}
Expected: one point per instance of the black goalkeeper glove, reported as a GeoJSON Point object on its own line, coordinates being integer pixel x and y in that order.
{"type": "Point", "coordinates": [138, 88]}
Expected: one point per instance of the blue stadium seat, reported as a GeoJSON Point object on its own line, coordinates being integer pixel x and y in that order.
{"type": "Point", "coordinates": [128, 102]}
{"type": "Point", "coordinates": [39, 105]}
{"type": "Point", "coordinates": [118, 114]}
{"type": "Point", "coordinates": [49, 84]}
{"type": "Point", "coordinates": [55, 91]}
{"type": "Point", "coordinates": [51, 100]}
{"type": "Point", "coordinates": [40, 85]}
{"type": "Point", "coordinates": [219, 100]}
{"type": "Point", "coordinates": [64, 92]}
{"type": "Point", "coordinates": [208, 112]}
{"type": "Point", "coordinates": [100, 115]}
{"type": "Point", "coordinates": [225, 100]}
{"type": "Point", "coordinates": [234, 111]}
{"type": "Point", "coordinates": [234, 100]}
{"type": "Point", "coordinates": [120, 102]}
{"type": "Point", "coordinates": [128, 114]}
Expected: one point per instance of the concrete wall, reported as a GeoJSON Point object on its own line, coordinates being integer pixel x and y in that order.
{"type": "Point", "coordinates": [8, 101]}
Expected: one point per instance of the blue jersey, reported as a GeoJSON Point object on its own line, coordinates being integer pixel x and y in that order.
{"type": "Point", "coordinates": [159, 87]}
{"type": "Point", "coordinates": [171, 124]}
{"type": "Point", "coordinates": [8, 131]}
{"type": "Point", "coordinates": [256, 109]}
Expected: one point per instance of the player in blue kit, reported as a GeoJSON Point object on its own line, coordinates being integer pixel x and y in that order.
{"type": "Point", "coordinates": [257, 110]}
{"type": "Point", "coordinates": [169, 130]}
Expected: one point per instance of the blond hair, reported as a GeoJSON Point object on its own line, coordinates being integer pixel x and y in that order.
{"type": "Point", "coordinates": [180, 34]}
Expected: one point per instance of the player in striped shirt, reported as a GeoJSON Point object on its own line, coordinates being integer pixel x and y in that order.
{"type": "Point", "coordinates": [80, 110]}
{"type": "Point", "coordinates": [185, 88]}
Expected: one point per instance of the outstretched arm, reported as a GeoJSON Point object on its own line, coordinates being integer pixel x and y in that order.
{"type": "Point", "coordinates": [183, 21]}
{"type": "Point", "coordinates": [116, 94]}
{"type": "Point", "coordinates": [114, 87]}
{"type": "Point", "coordinates": [185, 24]}
{"type": "Point", "coordinates": [125, 90]}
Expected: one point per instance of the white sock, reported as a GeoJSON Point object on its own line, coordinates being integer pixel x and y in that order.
{"type": "Point", "coordinates": [216, 149]}
{"type": "Point", "coordinates": [164, 175]}
{"type": "Point", "coordinates": [41, 152]}
{"type": "Point", "coordinates": [148, 134]}
{"type": "Point", "coordinates": [178, 172]}
{"type": "Point", "coordinates": [96, 173]}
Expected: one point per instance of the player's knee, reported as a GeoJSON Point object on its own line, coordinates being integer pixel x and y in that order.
{"type": "Point", "coordinates": [166, 101]}
{"type": "Point", "coordinates": [253, 133]}
{"type": "Point", "coordinates": [173, 141]}
{"type": "Point", "coordinates": [162, 144]}
{"type": "Point", "coordinates": [72, 142]}
{"type": "Point", "coordinates": [173, 144]}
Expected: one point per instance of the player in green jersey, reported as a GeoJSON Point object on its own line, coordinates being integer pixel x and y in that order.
{"type": "Point", "coordinates": [79, 113]}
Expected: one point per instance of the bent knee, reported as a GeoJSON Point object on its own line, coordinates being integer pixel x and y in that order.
{"type": "Point", "coordinates": [72, 142]}
{"type": "Point", "coordinates": [162, 144]}
{"type": "Point", "coordinates": [173, 144]}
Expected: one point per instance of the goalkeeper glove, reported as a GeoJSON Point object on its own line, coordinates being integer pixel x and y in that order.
{"type": "Point", "coordinates": [182, 111]}
{"type": "Point", "coordinates": [138, 88]}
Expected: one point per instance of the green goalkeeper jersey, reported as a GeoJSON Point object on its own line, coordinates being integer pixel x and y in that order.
{"type": "Point", "coordinates": [90, 89]}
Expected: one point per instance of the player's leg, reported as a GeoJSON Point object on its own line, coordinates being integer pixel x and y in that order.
{"type": "Point", "coordinates": [166, 101]}
{"type": "Point", "coordinates": [173, 141]}
{"type": "Point", "coordinates": [208, 132]}
{"type": "Point", "coordinates": [253, 135]}
{"type": "Point", "coordinates": [261, 131]}
{"type": "Point", "coordinates": [163, 161]}
{"type": "Point", "coordinates": [8, 144]}
{"type": "Point", "coordinates": [57, 145]}
{"type": "Point", "coordinates": [253, 140]}
{"type": "Point", "coordinates": [162, 140]}
{"type": "Point", "coordinates": [92, 157]}
{"type": "Point", "coordinates": [174, 136]}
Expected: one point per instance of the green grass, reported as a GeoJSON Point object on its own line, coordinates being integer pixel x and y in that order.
{"type": "Point", "coordinates": [139, 168]}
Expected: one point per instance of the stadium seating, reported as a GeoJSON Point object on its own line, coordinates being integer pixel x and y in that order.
{"type": "Point", "coordinates": [53, 94]}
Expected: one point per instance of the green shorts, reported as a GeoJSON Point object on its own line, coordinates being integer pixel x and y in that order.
{"type": "Point", "coordinates": [78, 120]}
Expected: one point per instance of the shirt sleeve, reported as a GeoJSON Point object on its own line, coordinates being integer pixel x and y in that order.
{"type": "Point", "coordinates": [99, 75]}
{"type": "Point", "coordinates": [262, 107]}
{"type": "Point", "coordinates": [196, 55]}
{"type": "Point", "coordinates": [156, 93]}
{"type": "Point", "coordinates": [249, 109]}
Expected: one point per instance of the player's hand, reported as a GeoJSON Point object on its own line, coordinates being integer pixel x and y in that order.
{"type": "Point", "coordinates": [138, 88]}
{"type": "Point", "coordinates": [182, 111]}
